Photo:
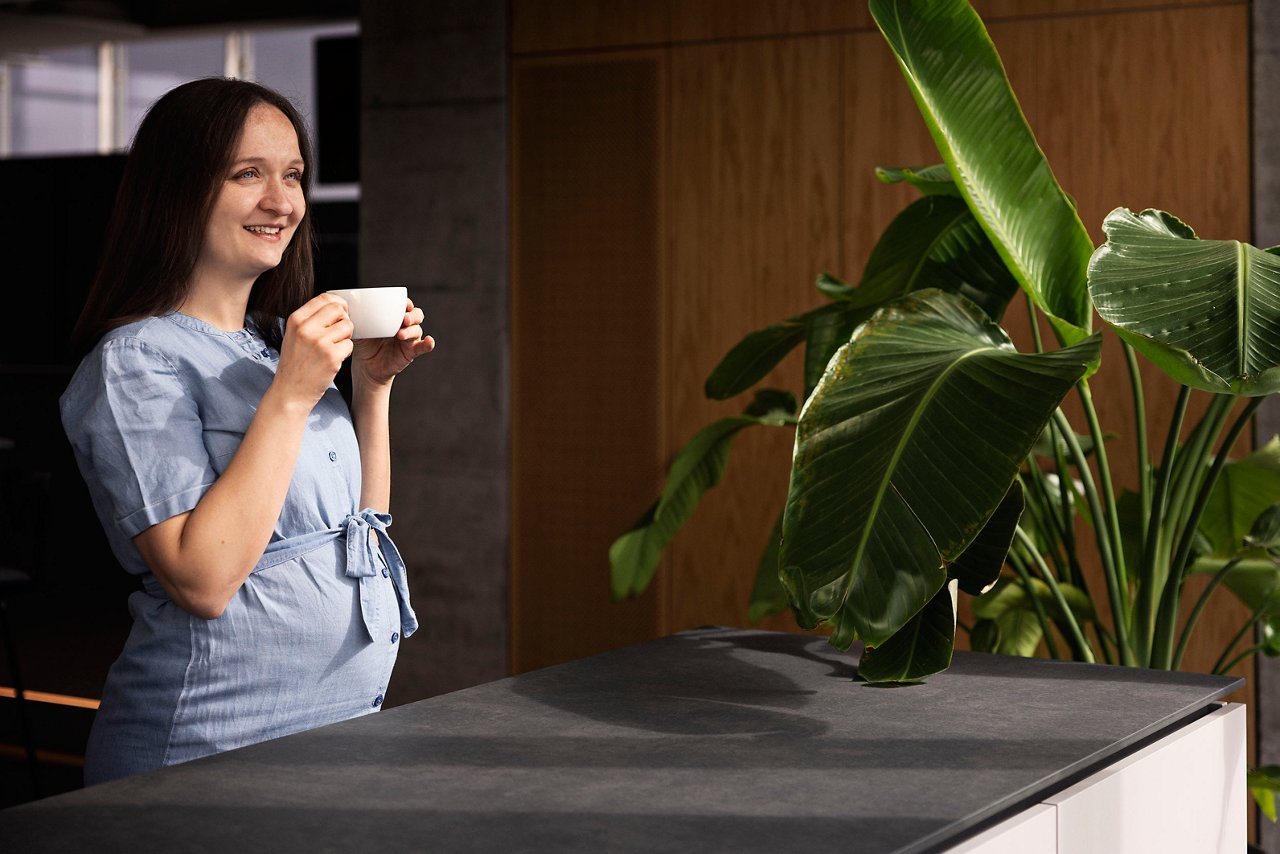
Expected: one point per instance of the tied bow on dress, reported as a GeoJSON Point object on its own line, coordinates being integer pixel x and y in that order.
{"type": "Point", "coordinates": [366, 531]}
{"type": "Point", "coordinates": [370, 553]}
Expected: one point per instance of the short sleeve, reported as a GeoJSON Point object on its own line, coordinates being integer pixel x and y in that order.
{"type": "Point", "coordinates": [140, 437]}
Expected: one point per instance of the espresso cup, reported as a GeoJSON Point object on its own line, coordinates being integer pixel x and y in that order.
{"type": "Point", "coordinates": [375, 312]}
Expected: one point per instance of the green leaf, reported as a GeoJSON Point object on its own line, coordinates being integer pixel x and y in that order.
{"type": "Point", "coordinates": [1011, 609]}
{"type": "Point", "coordinates": [1011, 594]}
{"type": "Point", "coordinates": [985, 636]}
{"type": "Point", "coordinates": [1017, 627]}
{"type": "Point", "coordinates": [1265, 533]}
{"type": "Point", "coordinates": [753, 357]}
{"type": "Point", "coordinates": [979, 567]}
{"type": "Point", "coordinates": [920, 648]}
{"type": "Point", "coordinates": [936, 243]}
{"type": "Point", "coordinates": [1263, 784]}
{"type": "Point", "coordinates": [827, 329]}
{"type": "Point", "coordinates": [1206, 312]}
{"type": "Point", "coordinates": [903, 452]}
{"type": "Point", "coordinates": [1245, 488]}
{"type": "Point", "coordinates": [833, 287]}
{"type": "Point", "coordinates": [633, 557]}
{"type": "Point", "coordinates": [960, 87]}
{"type": "Point", "coordinates": [930, 180]}
{"type": "Point", "coordinates": [933, 243]}
{"type": "Point", "coordinates": [767, 596]}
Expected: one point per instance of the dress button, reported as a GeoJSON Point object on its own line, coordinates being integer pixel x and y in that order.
{"type": "Point", "coordinates": [395, 636]}
{"type": "Point", "coordinates": [377, 701]}
{"type": "Point", "coordinates": [333, 456]}
{"type": "Point", "coordinates": [386, 573]}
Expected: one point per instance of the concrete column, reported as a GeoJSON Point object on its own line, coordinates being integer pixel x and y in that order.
{"type": "Point", "coordinates": [433, 217]}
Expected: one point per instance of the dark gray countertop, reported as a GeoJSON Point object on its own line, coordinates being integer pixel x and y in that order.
{"type": "Point", "coordinates": [709, 740]}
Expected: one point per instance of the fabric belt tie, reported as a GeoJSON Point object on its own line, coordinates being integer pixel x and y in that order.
{"type": "Point", "coordinates": [363, 564]}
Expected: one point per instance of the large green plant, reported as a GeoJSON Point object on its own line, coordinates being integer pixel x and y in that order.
{"type": "Point", "coordinates": [930, 455]}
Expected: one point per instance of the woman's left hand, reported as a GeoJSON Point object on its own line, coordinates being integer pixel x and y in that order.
{"type": "Point", "coordinates": [378, 360]}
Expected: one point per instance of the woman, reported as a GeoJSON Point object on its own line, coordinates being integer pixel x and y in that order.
{"type": "Point", "coordinates": [222, 462]}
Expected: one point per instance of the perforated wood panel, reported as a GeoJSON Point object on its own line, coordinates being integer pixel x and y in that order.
{"type": "Point", "coordinates": [586, 427]}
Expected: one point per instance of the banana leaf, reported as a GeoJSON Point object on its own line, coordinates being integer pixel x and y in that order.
{"type": "Point", "coordinates": [959, 84]}
{"type": "Point", "coordinates": [1263, 784]}
{"type": "Point", "coordinates": [833, 287]}
{"type": "Point", "coordinates": [932, 243]}
{"type": "Point", "coordinates": [1206, 312]}
{"type": "Point", "coordinates": [903, 452]}
{"type": "Point", "coordinates": [1245, 488]}
{"type": "Point", "coordinates": [634, 557]}
{"type": "Point", "coordinates": [978, 568]}
{"type": "Point", "coordinates": [930, 180]}
{"type": "Point", "coordinates": [1006, 618]}
{"type": "Point", "coordinates": [921, 648]}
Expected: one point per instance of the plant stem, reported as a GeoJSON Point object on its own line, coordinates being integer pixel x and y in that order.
{"type": "Point", "coordinates": [1190, 467]}
{"type": "Point", "coordinates": [1034, 317]}
{"type": "Point", "coordinates": [1081, 643]}
{"type": "Point", "coordinates": [1067, 500]}
{"type": "Point", "coordinates": [1015, 561]}
{"type": "Point", "coordinates": [1046, 520]}
{"type": "Point", "coordinates": [1218, 578]}
{"type": "Point", "coordinates": [1145, 612]}
{"type": "Point", "coordinates": [1189, 517]}
{"type": "Point", "coordinates": [1253, 621]}
{"type": "Point", "coordinates": [1140, 431]}
{"type": "Point", "coordinates": [1104, 542]}
{"type": "Point", "coordinates": [1239, 658]}
{"type": "Point", "coordinates": [1206, 488]}
{"type": "Point", "coordinates": [1104, 478]}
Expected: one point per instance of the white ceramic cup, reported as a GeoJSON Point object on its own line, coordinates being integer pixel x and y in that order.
{"type": "Point", "coordinates": [375, 312]}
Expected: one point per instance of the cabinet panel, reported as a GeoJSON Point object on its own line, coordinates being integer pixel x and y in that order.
{"type": "Point", "coordinates": [1185, 794]}
{"type": "Point", "coordinates": [1032, 831]}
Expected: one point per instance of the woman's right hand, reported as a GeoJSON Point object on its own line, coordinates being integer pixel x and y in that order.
{"type": "Point", "coordinates": [317, 339]}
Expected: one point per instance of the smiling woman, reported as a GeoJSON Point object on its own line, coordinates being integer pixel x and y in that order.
{"type": "Point", "coordinates": [229, 474]}
{"type": "Point", "coordinates": [258, 207]}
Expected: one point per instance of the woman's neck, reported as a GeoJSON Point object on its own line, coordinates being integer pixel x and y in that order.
{"type": "Point", "coordinates": [223, 306]}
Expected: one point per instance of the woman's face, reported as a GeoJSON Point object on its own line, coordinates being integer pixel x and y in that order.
{"type": "Point", "coordinates": [259, 204]}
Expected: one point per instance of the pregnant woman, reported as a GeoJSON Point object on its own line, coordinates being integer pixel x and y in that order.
{"type": "Point", "coordinates": [228, 472]}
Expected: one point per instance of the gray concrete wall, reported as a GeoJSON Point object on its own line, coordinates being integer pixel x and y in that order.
{"type": "Point", "coordinates": [433, 217]}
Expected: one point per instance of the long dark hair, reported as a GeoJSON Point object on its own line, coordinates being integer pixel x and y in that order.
{"type": "Point", "coordinates": [175, 169]}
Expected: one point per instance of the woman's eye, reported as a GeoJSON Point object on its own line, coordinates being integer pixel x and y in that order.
{"type": "Point", "coordinates": [293, 175]}
{"type": "Point", "coordinates": [247, 173]}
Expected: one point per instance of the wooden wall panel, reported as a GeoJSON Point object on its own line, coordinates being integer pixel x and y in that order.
{"type": "Point", "coordinates": [540, 26]}
{"type": "Point", "coordinates": [586, 268]}
{"type": "Point", "coordinates": [991, 10]}
{"type": "Point", "coordinates": [755, 200]}
{"type": "Point", "coordinates": [699, 20]}
{"type": "Point", "coordinates": [562, 25]}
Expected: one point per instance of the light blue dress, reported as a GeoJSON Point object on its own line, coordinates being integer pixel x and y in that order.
{"type": "Point", "coordinates": [154, 414]}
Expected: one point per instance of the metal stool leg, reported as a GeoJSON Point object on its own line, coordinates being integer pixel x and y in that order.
{"type": "Point", "coordinates": [24, 722]}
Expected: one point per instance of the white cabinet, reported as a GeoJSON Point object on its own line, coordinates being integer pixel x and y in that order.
{"type": "Point", "coordinates": [1184, 794]}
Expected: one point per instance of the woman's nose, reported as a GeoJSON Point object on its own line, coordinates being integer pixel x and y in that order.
{"type": "Point", "coordinates": [275, 199]}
